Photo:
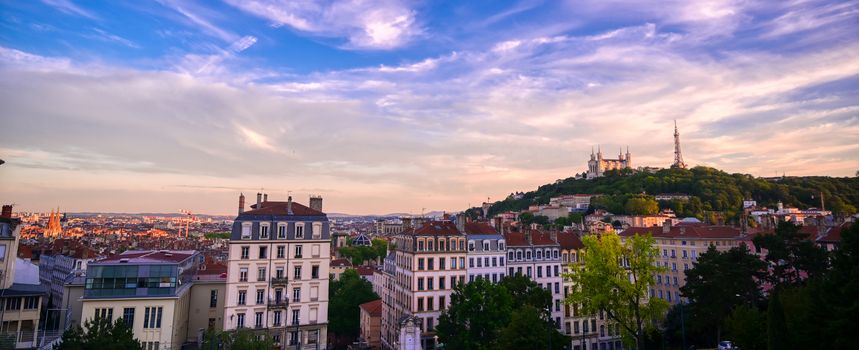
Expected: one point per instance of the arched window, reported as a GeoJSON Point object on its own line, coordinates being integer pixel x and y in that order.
{"type": "Point", "coordinates": [500, 245]}
{"type": "Point", "coordinates": [519, 255]}
{"type": "Point", "coordinates": [528, 254]}
{"type": "Point", "coordinates": [539, 254]}
{"type": "Point", "coordinates": [510, 255]}
{"type": "Point", "coordinates": [470, 246]}
{"type": "Point", "coordinates": [556, 253]}
{"type": "Point", "coordinates": [564, 257]}
{"type": "Point", "coordinates": [430, 244]}
{"type": "Point", "coordinates": [420, 245]}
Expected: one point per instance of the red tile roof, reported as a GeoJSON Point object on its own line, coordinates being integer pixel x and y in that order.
{"type": "Point", "coordinates": [686, 231]}
{"type": "Point", "coordinates": [340, 263]}
{"type": "Point", "coordinates": [435, 228]}
{"type": "Point", "coordinates": [365, 270]}
{"type": "Point", "coordinates": [833, 234]}
{"type": "Point", "coordinates": [570, 240]}
{"type": "Point", "coordinates": [538, 238]}
{"type": "Point", "coordinates": [479, 228]}
{"type": "Point", "coordinates": [282, 208]}
{"type": "Point", "coordinates": [374, 308]}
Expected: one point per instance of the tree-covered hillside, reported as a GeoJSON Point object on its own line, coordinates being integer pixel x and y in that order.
{"type": "Point", "coordinates": [712, 190]}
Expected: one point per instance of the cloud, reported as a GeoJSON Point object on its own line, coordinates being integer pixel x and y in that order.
{"type": "Point", "coordinates": [102, 35]}
{"type": "Point", "coordinates": [194, 15]}
{"type": "Point", "coordinates": [70, 7]}
{"type": "Point", "coordinates": [364, 24]}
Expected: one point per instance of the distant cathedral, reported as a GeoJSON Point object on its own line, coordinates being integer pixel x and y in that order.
{"type": "Point", "coordinates": [55, 227]}
{"type": "Point", "coordinates": [598, 165]}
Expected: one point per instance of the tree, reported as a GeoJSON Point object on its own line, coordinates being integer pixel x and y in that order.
{"type": "Point", "coordinates": [477, 313]}
{"type": "Point", "coordinates": [641, 206]}
{"type": "Point", "coordinates": [240, 339]}
{"type": "Point", "coordinates": [720, 281]}
{"type": "Point", "coordinates": [614, 279]}
{"type": "Point", "coordinates": [525, 291]}
{"type": "Point", "coordinates": [745, 326]}
{"type": "Point", "coordinates": [345, 296]}
{"type": "Point", "coordinates": [529, 330]}
{"type": "Point", "coordinates": [792, 255]}
{"type": "Point", "coordinates": [100, 334]}
{"type": "Point", "coordinates": [526, 218]}
{"type": "Point", "coordinates": [777, 334]}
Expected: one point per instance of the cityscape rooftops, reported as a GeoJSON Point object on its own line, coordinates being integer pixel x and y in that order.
{"type": "Point", "coordinates": [435, 228]}
{"type": "Point", "coordinates": [479, 228]}
{"type": "Point", "coordinates": [374, 308]}
{"type": "Point", "coordinates": [280, 208]}
{"type": "Point", "coordinates": [570, 240]}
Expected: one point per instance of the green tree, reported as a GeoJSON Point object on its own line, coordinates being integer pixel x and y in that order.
{"type": "Point", "coordinates": [838, 295]}
{"type": "Point", "coordinates": [526, 218]}
{"type": "Point", "coordinates": [100, 334]}
{"type": "Point", "coordinates": [614, 279]}
{"type": "Point", "coordinates": [792, 255]}
{"type": "Point", "coordinates": [345, 296]}
{"type": "Point", "coordinates": [720, 281]}
{"type": "Point", "coordinates": [745, 326]}
{"type": "Point", "coordinates": [528, 329]}
{"type": "Point", "coordinates": [777, 333]}
{"type": "Point", "coordinates": [641, 206]}
{"type": "Point", "coordinates": [525, 291]}
{"type": "Point", "coordinates": [241, 339]}
{"type": "Point", "coordinates": [477, 313]}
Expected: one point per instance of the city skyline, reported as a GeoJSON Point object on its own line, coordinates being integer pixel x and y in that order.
{"type": "Point", "coordinates": [398, 106]}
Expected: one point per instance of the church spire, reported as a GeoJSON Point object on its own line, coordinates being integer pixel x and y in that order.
{"type": "Point", "coordinates": [678, 156]}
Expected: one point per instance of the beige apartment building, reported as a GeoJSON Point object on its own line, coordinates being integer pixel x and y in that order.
{"type": "Point", "coordinates": [679, 247]}
{"type": "Point", "coordinates": [418, 277]}
{"type": "Point", "coordinates": [278, 272]}
{"type": "Point", "coordinates": [371, 323]}
{"type": "Point", "coordinates": [20, 304]}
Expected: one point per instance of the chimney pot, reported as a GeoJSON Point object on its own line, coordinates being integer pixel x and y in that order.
{"type": "Point", "coordinates": [7, 211]}
{"type": "Point", "coordinates": [241, 203]}
{"type": "Point", "coordinates": [259, 200]}
{"type": "Point", "coordinates": [265, 197]}
{"type": "Point", "coordinates": [289, 205]}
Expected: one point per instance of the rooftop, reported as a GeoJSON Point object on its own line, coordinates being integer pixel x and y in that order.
{"type": "Point", "coordinates": [435, 228]}
{"type": "Point", "coordinates": [282, 209]}
{"type": "Point", "coordinates": [374, 308]}
{"type": "Point", "coordinates": [479, 228]}
{"type": "Point", "coordinates": [149, 257]}
{"type": "Point", "coordinates": [686, 231]}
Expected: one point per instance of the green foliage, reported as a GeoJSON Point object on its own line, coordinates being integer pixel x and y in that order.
{"type": "Point", "coordinates": [745, 327]}
{"type": "Point", "coordinates": [217, 235]}
{"type": "Point", "coordinates": [345, 296]}
{"type": "Point", "coordinates": [719, 282]}
{"type": "Point", "coordinates": [711, 190]}
{"type": "Point", "coordinates": [99, 334]}
{"type": "Point", "coordinates": [529, 330]}
{"type": "Point", "coordinates": [527, 292]}
{"type": "Point", "coordinates": [360, 254]}
{"type": "Point", "coordinates": [241, 339]}
{"type": "Point", "coordinates": [615, 279]}
{"type": "Point", "coordinates": [478, 311]}
{"type": "Point", "coordinates": [792, 255]}
{"type": "Point", "coordinates": [777, 334]}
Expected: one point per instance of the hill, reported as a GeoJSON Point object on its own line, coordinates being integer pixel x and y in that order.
{"type": "Point", "coordinates": [711, 190]}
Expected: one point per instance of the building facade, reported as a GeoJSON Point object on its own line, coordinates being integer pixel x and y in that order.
{"type": "Point", "coordinates": [487, 252]}
{"type": "Point", "coordinates": [20, 304]}
{"type": "Point", "coordinates": [537, 254]}
{"type": "Point", "coordinates": [597, 165]}
{"type": "Point", "coordinates": [418, 277]}
{"type": "Point", "coordinates": [55, 270]}
{"type": "Point", "coordinates": [279, 254]}
{"type": "Point", "coordinates": [370, 319]}
{"type": "Point", "coordinates": [149, 290]}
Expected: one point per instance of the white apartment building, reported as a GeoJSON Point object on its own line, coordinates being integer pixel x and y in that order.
{"type": "Point", "coordinates": [536, 254]}
{"type": "Point", "coordinates": [418, 277]}
{"type": "Point", "coordinates": [278, 271]}
{"type": "Point", "coordinates": [487, 252]}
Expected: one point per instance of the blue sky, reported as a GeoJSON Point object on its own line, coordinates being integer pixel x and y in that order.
{"type": "Point", "coordinates": [392, 106]}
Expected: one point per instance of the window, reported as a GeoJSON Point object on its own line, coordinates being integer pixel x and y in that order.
{"type": "Point", "coordinates": [152, 317]}
{"type": "Point", "coordinates": [293, 338]}
{"type": "Point", "coordinates": [528, 255]}
{"type": "Point", "coordinates": [281, 231]}
{"type": "Point", "coordinates": [461, 262]}
{"type": "Point", "coordinates": [294, 317]}
{"type": "Point", "coordinates": [261, 274]}
{"type": "Point", "coordinates": [494, 261]}
{"type": "Point", "coordinates": [260, 296]}
{"type": "Point", "coordinates": [441, 283]}
{"type": "Point", "coordinates": [100, 313]}
{"type": "Point", "coordinates": [281, 251]}
{"type": "Point", "coordinates": [298, 251]}
{"type": "Point", "coordinates": [243, 274]}
{"type": "Point", "coordinates": [299, 230]}
{"type": "Point", "coordinates": [539, 269]}
{"type": "Point", "coordinates": [314, 271]}
{"type": "Point", "coordinates": [277, 318]}
{"type": "Point", "coordinates": [258, 320]}
{"type": "Point", "coordinates": [420, 245]}
{"type": "Point", "coordinates": [430, 264]}
{"type": "Point", "coordinates": [246, 252]}
{"type": "Point", "coordinates": [278, 272]}
{"type": "Point", "coordinates": [243, 295]}
{"type": "Point", "coordinates": [470, 246]}
{"type": "Point", "coordinates": [539, 254]}
{"type": "Point", "coordinates": [420, 264]}
{"type": "Point", "coordinates": [430, 283]}
{"type": "Point", "coordinates": [441, 263]}
{"type": "Point", "coordinates": [296, 294]}
{"type": "Point", "coordinates": [510, 255]}
{"type": "Point", "coordinates": [556, 271]}
{"type": "Point", "coordinates": [128, 317]}
{"type": "Point", "coordinates": [470, 262]}
{"type": "Point", "coordinates": [479, 262]}
{"type": "Point", "coordinates": [316, 230]}
{"type": "Point", "coordinates": [263, 231]}
{"type": "Point", "coordinates": [430, 245]}
{"type": "Point", "coordinates": [240, 321]}
{"type": "Point", "coordinates": [213, 298]}
{"type": "Point", "coordinates": [420, 304]}
{"type": "Point", "coordinates": [430, 303]}
{"type": "Point", "coordinates": [246, 230]}
{"type": "Point", "coordinates": [263, 252]}
{"type": "Point", "coordinates": [31, 302]}
{"type": "Point", "coordinates": [420, 283]}
{"type": "Point", "coordinates": [151, 345]}
{"type": "Point", "coordinates": [296, 272]}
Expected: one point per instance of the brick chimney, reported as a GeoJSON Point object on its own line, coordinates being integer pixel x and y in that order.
{"type": "Point", "coordinates": [7, 211]}
{"type": "Point", "coordinates": [265, 197]}
{"type": "Point", "coordinates": [259, 200]}
{"type": "Point", "coordinates": [241, 203]}
{"type": "Point", "coordinates": [554, 236]}
{"type": "Point", "coordinates": [289, 205]}
{"type": "Point", "coordinates": [528, 237]}
{"type": "Point", "coordinates": [666, 226]}
{"type": "Point", "coordinates": [316, 203]}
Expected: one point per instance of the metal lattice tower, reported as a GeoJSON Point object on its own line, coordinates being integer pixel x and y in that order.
{"type": "Point", "coordinates": [678, 157]}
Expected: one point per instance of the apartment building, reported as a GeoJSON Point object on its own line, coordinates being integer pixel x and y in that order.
{"type": "Point", "coordinates": [55, 270]}
{"type": "Point", "coordinates": [150, 290]}
{"type": "Point", "coordinates": [537, 254]}
{"type": "Point", "coordinates": [279, 255]}
{"type": "Point", "coordinates": [679, 247]}
{"type": "Point", "coordinates": [418, 277]}
{"type": "Point", "coordinates": [585, 330]}
{"type": "Point", "coordinates": [487, 252]}
{"type": "Point", "coordinates": [371, 323]}
{"type": "Point", "coordinates": [20, 303]}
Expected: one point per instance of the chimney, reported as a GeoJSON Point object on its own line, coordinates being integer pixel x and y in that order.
{"type": "Point", "coordinates": [682, 230]}
{"type": "Point", "coordinates": [259, 200]}
{"type": "Point", "coordinates": [666, 226]}
{"type": "Point", "coordinates": [554, 235]}
{"type": "Point", "coordinates": [316, 203]}
{"type": "Point", "coordinates": [460, 222]}
{"type": "Point", "coordinates": [241, 203]}
{"type": "Point", "coordinates": [289, 205]}
{"type": "Point", "coordinates": [7, 211]}
{"type": "Point", "coordinates": [445, 216]}
{"type": "Point", "coordinates": [528, 236]}
{"type": "Point", "coordinates": [265, 197]}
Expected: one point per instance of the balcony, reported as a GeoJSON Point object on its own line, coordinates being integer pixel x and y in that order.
{"type": "Point", "coordinates": [279, 281]}
{"type": "Point", "coordinates": [278, 304]}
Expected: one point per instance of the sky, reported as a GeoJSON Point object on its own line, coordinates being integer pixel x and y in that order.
{"type": "Point", "coordinates": [402, 106]}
